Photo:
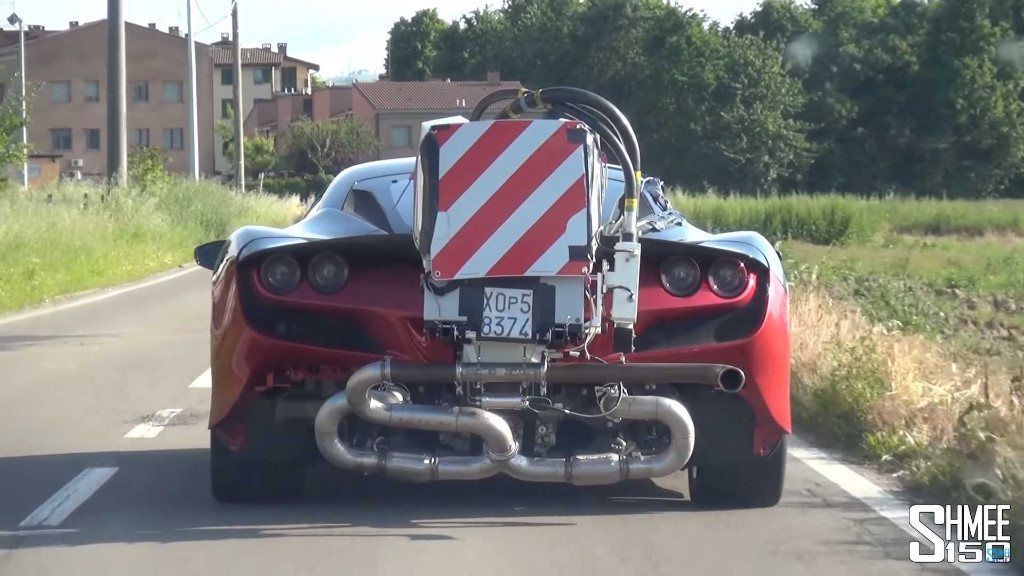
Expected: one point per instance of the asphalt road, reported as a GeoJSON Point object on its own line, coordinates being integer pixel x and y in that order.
{"type": "Point", "coordinates": [74, 382]}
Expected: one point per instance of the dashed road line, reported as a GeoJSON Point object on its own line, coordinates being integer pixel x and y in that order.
{"type": "Point", "coordinates": [202, 381]}
{"type": "Point", "coordinates": [69, 498]}
{"type": "Point", "coordinates": [154, 424]}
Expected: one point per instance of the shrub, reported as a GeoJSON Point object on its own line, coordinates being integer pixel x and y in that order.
{"type": "Point", "coordinates": [147, 167]}
{"type": "Point", "coordinates": [304, 187]}
{"type": "Point", "coordinates": [84, 238]}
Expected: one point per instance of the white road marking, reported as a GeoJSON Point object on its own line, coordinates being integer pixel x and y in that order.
{"type": "Point", "coordinates": [151, 427]}
{"type": "Point", "coordinates": [102, 295]}
{"type": "Point", "coordinates": [202, 381]}
{"type": "Point", "coordinates": [69, 498]}
{"type": "Point", "coordinates": [37, 532]}
{"type": "Point", "coordinates": [884, 504]}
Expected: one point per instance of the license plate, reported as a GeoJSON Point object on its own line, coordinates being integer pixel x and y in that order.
{"type": "Point", "coordinates": [508, 313]}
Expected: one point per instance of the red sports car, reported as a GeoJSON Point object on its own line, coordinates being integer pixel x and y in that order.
{"type": "Point", "coordinates": [518, 299]}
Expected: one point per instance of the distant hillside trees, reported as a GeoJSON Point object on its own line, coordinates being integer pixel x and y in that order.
{"type": "Point", "coordinates": [865, 96]}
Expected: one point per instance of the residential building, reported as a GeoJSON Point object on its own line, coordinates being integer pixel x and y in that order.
{"type": "Point", "coordinates": [67, 75]}
{"type": "Point", "coordinates": [396, 110]}
{"type": "Point", "coordinates": [265, 74]}
{"type": "Point", "coordinates": [271, 117]}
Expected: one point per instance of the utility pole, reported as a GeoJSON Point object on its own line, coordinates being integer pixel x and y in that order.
{"type": "Point", "coordinates": [15, 19]}
{"type": "Point", "coordinates": [24, 105]}
{"type": "Point", "coordinates": [117, 111]}
{"type": "Point", "coordinates": [237, 84]}
{"type": "Point", "coordinates": [193, 121]}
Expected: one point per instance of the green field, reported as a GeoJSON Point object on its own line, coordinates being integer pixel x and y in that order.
{"type": "Point", "coordinates": [68, 238]}
{"type": "Point", "coordinates": [836, 219]}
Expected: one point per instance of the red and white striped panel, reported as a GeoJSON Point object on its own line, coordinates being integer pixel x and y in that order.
{"type": "Point", "coordinates": [512, 198]}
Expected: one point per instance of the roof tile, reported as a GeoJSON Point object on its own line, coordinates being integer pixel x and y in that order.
{"type": "Point", "coordinates": [433, 95]}
{"type": "Point", "coordinates": [250, 57]}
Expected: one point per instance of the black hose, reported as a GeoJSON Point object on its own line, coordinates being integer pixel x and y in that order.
{"type": "Point", "coordinates": [602, 116]}
{"type": "Point", "coordinates": [492, 99]}
{"type": "Point", "coordinates": [564, 94]}
{"type": "Point", "coordinates": [591, 117]}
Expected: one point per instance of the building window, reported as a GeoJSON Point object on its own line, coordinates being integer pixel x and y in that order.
{"type": "Point", "coordinates": [92, 91]}
{"type": "Point", "coordinates": [140, 91]}
{"type": "Point", "coordinates": [92, 138]}
{"type": "Point", "coordinates": [172, 91]}
{"type": "Point", "coordinates": [400, 137]}
{"type": "Point", "coordinates": [262, 75]}
{"type": "Point", "coordinates": [140, 137]}
{"type": "Point", "coordinates": [60, 92]}
{"type": "Point", "coordinates": [289, 79]}
{"type": "Point", "coordinates": [174, 138]}
{"type": "Point", "coordinates": [3, 92]}
{"type": "Point", "coordinates": [227, 108]}
{"type": "Point", "coordinates": [60, 139]}
{"type": "Point", "coordinates": [227, 76]}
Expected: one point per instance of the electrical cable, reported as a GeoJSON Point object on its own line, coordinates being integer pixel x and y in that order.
{"type": "Point", "coordinates": [600, 403]}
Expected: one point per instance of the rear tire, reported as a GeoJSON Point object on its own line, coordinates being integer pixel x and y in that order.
{"type": "Point", "coordinates": [749, 485]}
{"type": "Point", "coordinates": [234, 479]}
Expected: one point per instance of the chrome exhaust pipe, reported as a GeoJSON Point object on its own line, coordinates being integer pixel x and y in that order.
{"type": "Point", "coordinates": [501, 452]}
{"type": "Point", "coordinates": [731, 380]}
{"type": "Point", "coordinates": [357, 399]}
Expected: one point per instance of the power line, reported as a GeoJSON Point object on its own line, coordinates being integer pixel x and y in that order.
{"type": "Point", "coordinates": [219, 20]}
{"type": "Point", "coordinates": [201, 12]}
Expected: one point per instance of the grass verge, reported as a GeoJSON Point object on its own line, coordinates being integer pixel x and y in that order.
{"type": "Point", "coordinates": [72, 237]}
{"type": "Point", "coordinates": [908, 333]}
{"type": "Point", "coordinates": [946, 424]}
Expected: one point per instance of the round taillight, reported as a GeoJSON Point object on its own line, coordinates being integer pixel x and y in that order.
{"type": "Point", "coordinates": [680, 275]}
{"type": "Point", "coordinates": [727, 277]}
{"type": "Point", "coordinates": [328, 273]}
{"type": "Point", "coordinates": [280, 274]}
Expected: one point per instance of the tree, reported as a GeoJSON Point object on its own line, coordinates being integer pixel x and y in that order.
{"type": "Point", "coordinates": [412, 46]}
{"type": "Point", "coordinates": [969, 114]}
{"type": "Point", "coordinates": [12, 151]}
{"type": "Point", "coordinates": [777, 21]}
{"type": "Point", "coordinates": [317, 82]}
{"type": "Point", "coordinates": [260, 155]}
{"type": "Point", "coordinates": [864, 96]}
{"type": "Point", "coordinates": [260, 151]}
{"type": "Point", "coordinates": [329, 146]}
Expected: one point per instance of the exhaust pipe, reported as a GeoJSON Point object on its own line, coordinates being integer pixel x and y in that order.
{"type": "Point", "coordinates": [731, 380]}
{"type": "Point", "coordinates": [501, 452]}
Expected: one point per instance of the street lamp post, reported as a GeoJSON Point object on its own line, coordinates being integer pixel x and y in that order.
{"type": "Point", "coordinates": [15, 19]}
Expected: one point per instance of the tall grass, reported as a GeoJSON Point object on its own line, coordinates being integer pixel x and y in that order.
{"type": "Point", "coordinates": [72, 237]}
{"type": "Point", "coordinates": [837, 219]}
{"type": "Point", "coordinates": [944, 424]}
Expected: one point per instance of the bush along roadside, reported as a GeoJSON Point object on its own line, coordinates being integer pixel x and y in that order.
{"type": "Point", "coordinates": [947, 426]}
{"type": "Point", "coordinates": [71, 237]}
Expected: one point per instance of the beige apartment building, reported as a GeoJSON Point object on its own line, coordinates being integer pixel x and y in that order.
{"type": "Point", "coordinates": [67, 80]}
{"type": "Point", "coordinates": [266, 74]}
{"type": "Point", "coordinates": [395, 111]}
